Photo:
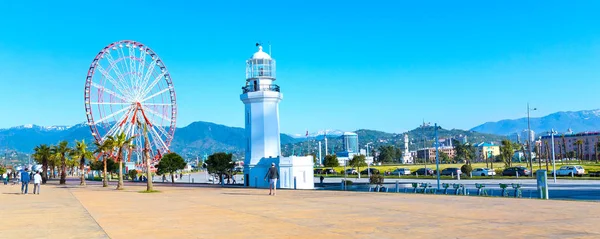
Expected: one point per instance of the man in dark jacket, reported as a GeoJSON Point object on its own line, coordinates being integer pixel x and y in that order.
{"type": "Point", "coordinates": [272, 175]}
{"type": "Point", "coordinates": [24, 181]}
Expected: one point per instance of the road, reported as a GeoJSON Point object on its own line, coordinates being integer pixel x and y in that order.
{"type": "Point", "coordinates": [563, 189]}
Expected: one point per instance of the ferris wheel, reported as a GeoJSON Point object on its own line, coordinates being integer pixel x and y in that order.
{"type": "Point", "coordinates": [129, 90]}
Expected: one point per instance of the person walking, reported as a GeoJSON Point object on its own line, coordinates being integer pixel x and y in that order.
{"type": "Point", "coordinates": [5, 178]}
{"type": "Point", "coordinates": [24, 181]}
{"type": "Point", "coordinates": [37, 181]}
{"type": "Point", "coordinates": [272, 175]}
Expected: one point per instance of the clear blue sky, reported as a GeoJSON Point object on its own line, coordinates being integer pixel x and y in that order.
{"type": "Point", "coordinates": [384, 65]}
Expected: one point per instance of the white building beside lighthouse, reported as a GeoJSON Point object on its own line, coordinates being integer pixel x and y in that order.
{"type": "Point", "coordinates": [261, 97]}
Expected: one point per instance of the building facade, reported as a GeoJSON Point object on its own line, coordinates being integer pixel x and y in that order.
{"type": "Point", "coordinates": [566, 145]}
{"type": "Point", "coordinates": [429, 153]}
{"type": "Point", "coordinates": [484, 151]}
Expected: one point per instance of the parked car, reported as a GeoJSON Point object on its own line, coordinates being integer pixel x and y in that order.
{"type": "Point", "coordinates": [401, 171]}
{"type": "Point", "coordinates": [239, 169]}
{"type": "Point", "coordinates": [319, 171]}
{"type": "Point", "coordinates": [570, 170]}
{"type": "Point", "coordinates": [423, 171]}
{"type": "Point", "coordinates": [512, 171]}
{"type": "Point", "coordinates": [372, 170]}
{"type": "Point", "coordinates": [328, 171]}
{"type": "Point", "coordinates": [351, 171]}
{"type": "Point", "coordinates": [483, 172]}
{"type": "Point", "coordinates": [450, 172]}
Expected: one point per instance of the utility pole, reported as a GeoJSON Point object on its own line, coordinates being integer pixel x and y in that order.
{"type": "Point", "coordinates": [553, 159]}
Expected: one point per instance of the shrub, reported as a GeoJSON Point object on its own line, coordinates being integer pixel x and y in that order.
{"type": "Point", "coordinates": [466, 169]}
{"type": "Point", "coordinates": [498, 171]}
{"type": "Point", "coordinates": [132, 174]}
{"type": "Point", "coordinates": [376, 179]}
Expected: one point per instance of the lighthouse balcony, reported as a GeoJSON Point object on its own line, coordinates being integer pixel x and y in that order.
{"type": "Point", "coordinates": [253, 88]}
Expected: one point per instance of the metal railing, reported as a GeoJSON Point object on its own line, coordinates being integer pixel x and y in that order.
{"type": "Point", "coordinates": [253, 88]}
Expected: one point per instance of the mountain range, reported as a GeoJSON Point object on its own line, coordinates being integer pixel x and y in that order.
{"type": "Point", "coordinates": [576, 121]}
{"type": "Point", "coordinates": [200, 138]}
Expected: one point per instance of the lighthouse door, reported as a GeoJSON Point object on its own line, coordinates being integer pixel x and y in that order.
{"type": "Point", "coordinates": [255, 86]}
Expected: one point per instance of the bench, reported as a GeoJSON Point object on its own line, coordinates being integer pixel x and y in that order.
{"type": "Point", "coordinates": [481, 189]}
{"type": "Point", "coordinates": [517, 187]}
{"type": "Point", "coordinates": [459, 188]}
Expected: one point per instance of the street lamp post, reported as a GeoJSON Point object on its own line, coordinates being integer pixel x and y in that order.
{"type": "Point", "coordinates": [553, 159]}
{"type": "Point", "coordinates": [529, 139]}
{"type": "Point", "coordinates": [425, 155]}
{"type": "Point", "coordinates": [368, 164]}
{"type": "Point", "coordinates": [437, 161]}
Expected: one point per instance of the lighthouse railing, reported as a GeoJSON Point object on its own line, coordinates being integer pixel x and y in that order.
{"type": "Point", "coordinates": [263, 87]}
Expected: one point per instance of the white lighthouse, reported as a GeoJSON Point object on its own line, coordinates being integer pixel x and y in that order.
{"type": "Point", "coordinates": [261, 97]}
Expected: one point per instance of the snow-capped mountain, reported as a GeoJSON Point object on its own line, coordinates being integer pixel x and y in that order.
{"type": "Point", "coordinates": [578, 121]}
{"type": "Point", "coordinates": [319, 134]}
{"type": "Point", "coordinates": [37, 127]}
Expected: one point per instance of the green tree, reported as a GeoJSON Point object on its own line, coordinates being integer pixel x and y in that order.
{"type": "Point", "coordinates": [220, 164]}
{"type": "Point", "coordinates": [444, 157]}
{"type": "Point", "coordinates": [81, 152]}
{"type": "Point", "coordinates": [358, 161]}
{"type": "Point", "coordinates": [42, 155]}
{"type": "Point", "coordinates": [61, 151]}
{"type": "Point", "coordinates": [104, 150]}
{"type": "Point", "coordinates": [331, 161]}
{"type": "Point", "coordinates": [121, 142]}
{"type": "Point", "coordinates": [2, 170]}
{"type": "Point", "coordinates": [388, 154]}
{"type": "Point", "coordinates": [506, 152]}
{"type": "Point", "coordinates": [463, 151]}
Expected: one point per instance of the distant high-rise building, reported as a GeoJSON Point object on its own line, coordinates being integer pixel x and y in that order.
{"type": "Point", "coordinates": [525, 134]}
{"type": "Point", "coordinates": [350, 141]}
{"type": "Point", "coordinates": [515, 137]}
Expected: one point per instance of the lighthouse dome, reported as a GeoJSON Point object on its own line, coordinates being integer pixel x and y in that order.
{"type": "Point", "coordinates": [260, 54]}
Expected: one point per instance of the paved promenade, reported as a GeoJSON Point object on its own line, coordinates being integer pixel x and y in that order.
{"type": "Point", "coordinates": [193, 212]}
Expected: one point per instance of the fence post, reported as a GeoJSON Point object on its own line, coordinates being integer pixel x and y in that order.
{"type": "Point", "coordinates": [294, 182]}
{"type": "Point", "coordinates": [397, 188]}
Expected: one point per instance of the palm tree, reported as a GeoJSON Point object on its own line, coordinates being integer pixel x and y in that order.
{"type": "Point", "coordinates": [149, 186]}
{"type": "Point", "coordinates": [53, 161]}
{"type": "Point", "coordinates": [564, 145]}
{"type": "Point", "coordinates": [579, 144]}
{"type": "Point", "coordinates": [597, 146]}
{"type": "Point", "coordinates": [61, 150]}
{"type": "Point", "coordinates": [80, 151]}
{"type": "Point", "coordinates": [104, 150]}
{"type": "Point", "coordinates": [42, 155]}
{"type": "Point", "coordinates": [547, 154]}
{"type": "Point", "coordinates": [121, 142]}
